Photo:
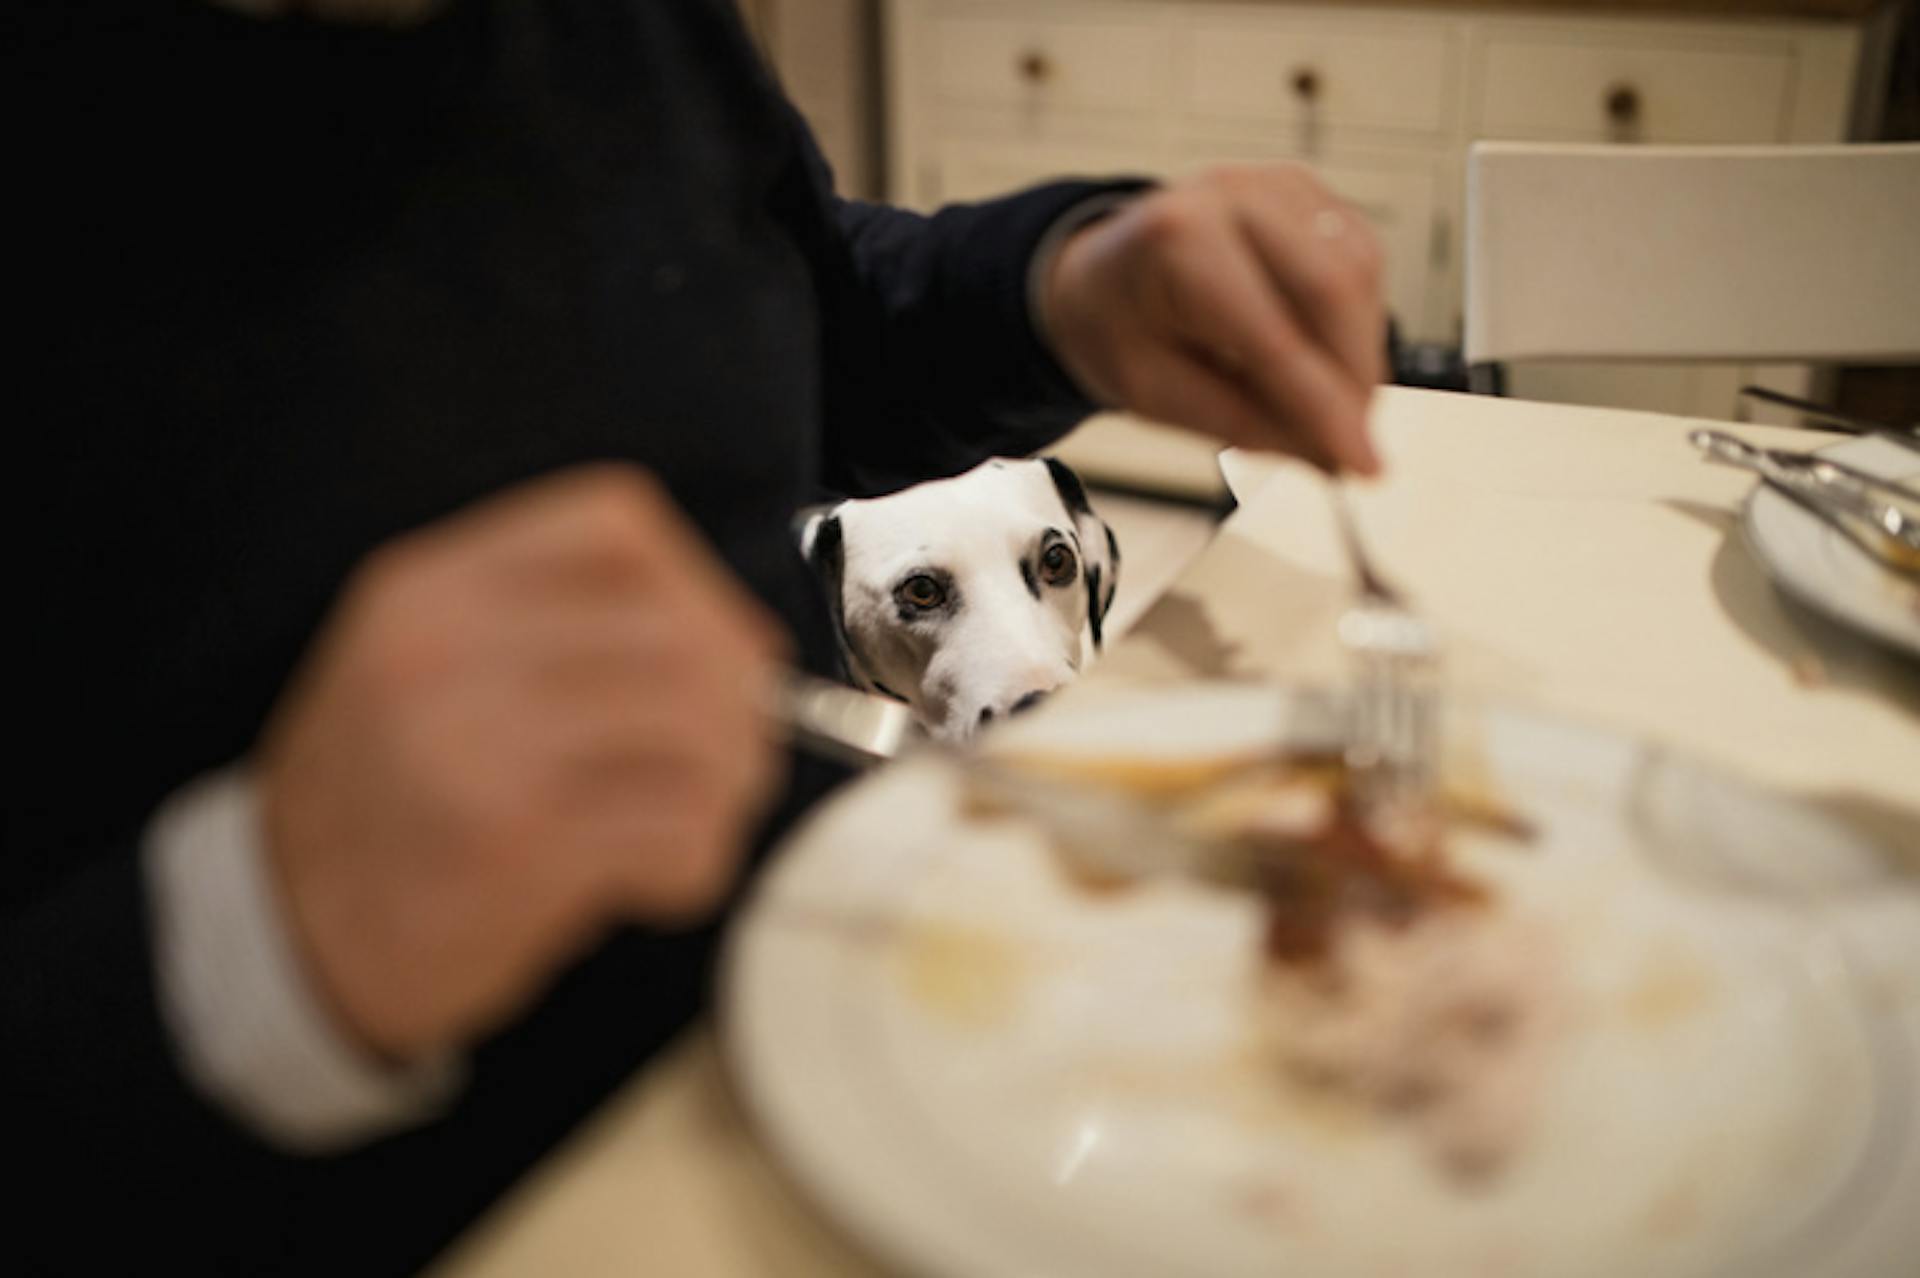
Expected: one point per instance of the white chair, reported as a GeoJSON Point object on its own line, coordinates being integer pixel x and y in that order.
{"type": "Point", "coordinates": [1657, 253]}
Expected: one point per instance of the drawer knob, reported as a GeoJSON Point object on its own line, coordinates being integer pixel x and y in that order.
{"type": "Point", "coordinates": [1035, 67]}
{"type": "Point", "coordinates": [1623, 104]}
{"type": "Point", "coordinates": [1306, 84]}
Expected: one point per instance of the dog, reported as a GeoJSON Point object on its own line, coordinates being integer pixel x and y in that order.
{"type": "Point", "coordinates": [969, 598]}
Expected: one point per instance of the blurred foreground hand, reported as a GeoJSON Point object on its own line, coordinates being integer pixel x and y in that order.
{"type": "Point", "coordinates": [1243, 303]}
{"type": "Point", "coordinates": [522, 725]}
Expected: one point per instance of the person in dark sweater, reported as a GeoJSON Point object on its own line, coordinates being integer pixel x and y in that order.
{"type": "Point", "coordinates": [408, 414]}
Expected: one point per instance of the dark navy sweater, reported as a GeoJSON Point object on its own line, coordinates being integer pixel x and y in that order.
{"type": "Point", "coordinates": [282, 290]}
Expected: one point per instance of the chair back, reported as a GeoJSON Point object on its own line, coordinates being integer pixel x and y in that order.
{"type": "Point", "coordinates": [1693, 253]}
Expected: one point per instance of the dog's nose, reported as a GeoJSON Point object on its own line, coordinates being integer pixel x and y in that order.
{"type": "Point", "coordinates": [1028, 702]}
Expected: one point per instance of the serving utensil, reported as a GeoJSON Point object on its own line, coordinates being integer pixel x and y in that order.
{"type": "Point", "coordinates": [1878, 515]}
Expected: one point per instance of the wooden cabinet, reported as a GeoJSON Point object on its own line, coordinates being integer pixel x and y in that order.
{"type": "Point", "coordinates": [1096, 59]}
{"type": "Point", "coordinates": [1294, 70]}
{"type": "Point", "coordinates": [1549, 84]}
{"type": "Point", "coordinates": [987, 95]}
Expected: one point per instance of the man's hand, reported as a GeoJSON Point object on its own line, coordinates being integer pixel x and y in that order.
{"type": "Point", "coordinates": [1244, 303]}
{"type": "Point", "coordinates": [522, 725]}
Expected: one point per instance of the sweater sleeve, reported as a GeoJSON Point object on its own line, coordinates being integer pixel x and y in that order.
{"type": "Point", "coordinates": [932, 358]}
{"type": "Point", "coordinates": [98, 1108]}
{"type": "Point", "coordinates": [161, 1095]}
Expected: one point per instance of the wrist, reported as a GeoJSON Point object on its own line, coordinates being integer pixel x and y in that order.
{"type": "Point", "coordinates": [1054, 265]}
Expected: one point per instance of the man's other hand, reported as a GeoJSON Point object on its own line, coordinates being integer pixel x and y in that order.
{"type": "Point", "coordinates": [521, 726]}
{"type": "Point", "coordinates": [1243, 303]}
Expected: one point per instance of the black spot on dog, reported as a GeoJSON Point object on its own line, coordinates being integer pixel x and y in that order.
{"type": "Point", "coordinates": [1095, 613]}
{"type": "Point", "coordinates": [1072, 494]}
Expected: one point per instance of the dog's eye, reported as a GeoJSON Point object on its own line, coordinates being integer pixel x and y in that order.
{"type": "Point", "coordinates": [921, 591]}
{"type": "Point", "coordinates": [1058, 564]}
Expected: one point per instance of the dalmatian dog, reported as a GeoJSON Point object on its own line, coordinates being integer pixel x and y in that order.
{"type": "Point", "coordinates": [969, 598]}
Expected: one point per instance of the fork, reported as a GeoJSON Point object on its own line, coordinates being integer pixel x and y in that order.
{"type": "Point", "coordinates": [1392, 738]}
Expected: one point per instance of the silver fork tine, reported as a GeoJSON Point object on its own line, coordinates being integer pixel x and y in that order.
{"type": "Point", "coordinates": [1393, 731]}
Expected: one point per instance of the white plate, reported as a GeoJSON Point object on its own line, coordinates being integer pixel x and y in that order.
{"type": "Point", "coordinates": [1816, 563]}
{"type": "Point", "coordinates": [982, 1070]}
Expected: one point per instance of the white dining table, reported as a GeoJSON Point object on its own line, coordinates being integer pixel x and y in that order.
{"type": "Point", "coordinates": [1580, 561]}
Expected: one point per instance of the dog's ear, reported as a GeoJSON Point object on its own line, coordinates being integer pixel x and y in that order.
{"type": "Point", "coordinates": [822, 544]}
{"type": "Point", "coordinates": [1099, 552]}
{"type": "Point", "coordinates": [806, 524]}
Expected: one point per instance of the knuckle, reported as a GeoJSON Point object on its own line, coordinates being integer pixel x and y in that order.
{"type": "Point", "coordinates": [622, 495]}
{"type": "Point", "coordinates": [393, 566]}
{"type": "Point", "coordinates": [1166, 218]}
{"type": "Point", "coordinates": [614, 508]}
{"type": "Point", "coordinates": [616, 481]}
{"type": "Point", "coordinates": [613, 529]}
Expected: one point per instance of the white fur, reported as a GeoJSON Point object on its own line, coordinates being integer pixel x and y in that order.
{"type": "Point", "coordinates": [997, 646]}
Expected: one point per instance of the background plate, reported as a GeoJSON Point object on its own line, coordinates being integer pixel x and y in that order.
{"type": "Point", "coordinates": [1815, 562]}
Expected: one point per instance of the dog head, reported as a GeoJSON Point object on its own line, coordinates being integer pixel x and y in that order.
{"type": "Point", "coordinates": [968, 598]}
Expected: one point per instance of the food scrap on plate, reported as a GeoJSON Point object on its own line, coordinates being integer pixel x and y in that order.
{"type": "Point", "coordinates": [1389, 978]}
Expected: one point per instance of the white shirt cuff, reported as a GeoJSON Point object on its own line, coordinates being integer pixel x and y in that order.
{"type": "Point", "coordinates": [247, 1026]}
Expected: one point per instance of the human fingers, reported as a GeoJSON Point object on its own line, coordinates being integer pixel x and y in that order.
{"type": "Point", "coordinates": [1171, 383]}
{"type": "Point", "coordinates": [1324, 259]}
{"type": "Point", "coordinates": [1221, 308]}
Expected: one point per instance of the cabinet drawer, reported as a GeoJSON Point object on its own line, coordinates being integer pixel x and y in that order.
{"type": "Point", "coordinates": [1372, 77]}
{"type": "Point", "coordinates": [1599, 91]}
{"type": "Point", "coordinates": [1088, 61]}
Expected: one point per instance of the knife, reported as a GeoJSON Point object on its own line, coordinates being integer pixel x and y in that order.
{"type": "Point", "coordinates": [1104, 832]}
{"type": "Point", "coordinates": [836, 722]}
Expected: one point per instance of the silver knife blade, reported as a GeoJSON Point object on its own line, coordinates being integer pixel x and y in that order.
{"type": "Point", "coordinates": [838, 722]}
{"type": "Point", "coordinates": [1102, 831]}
